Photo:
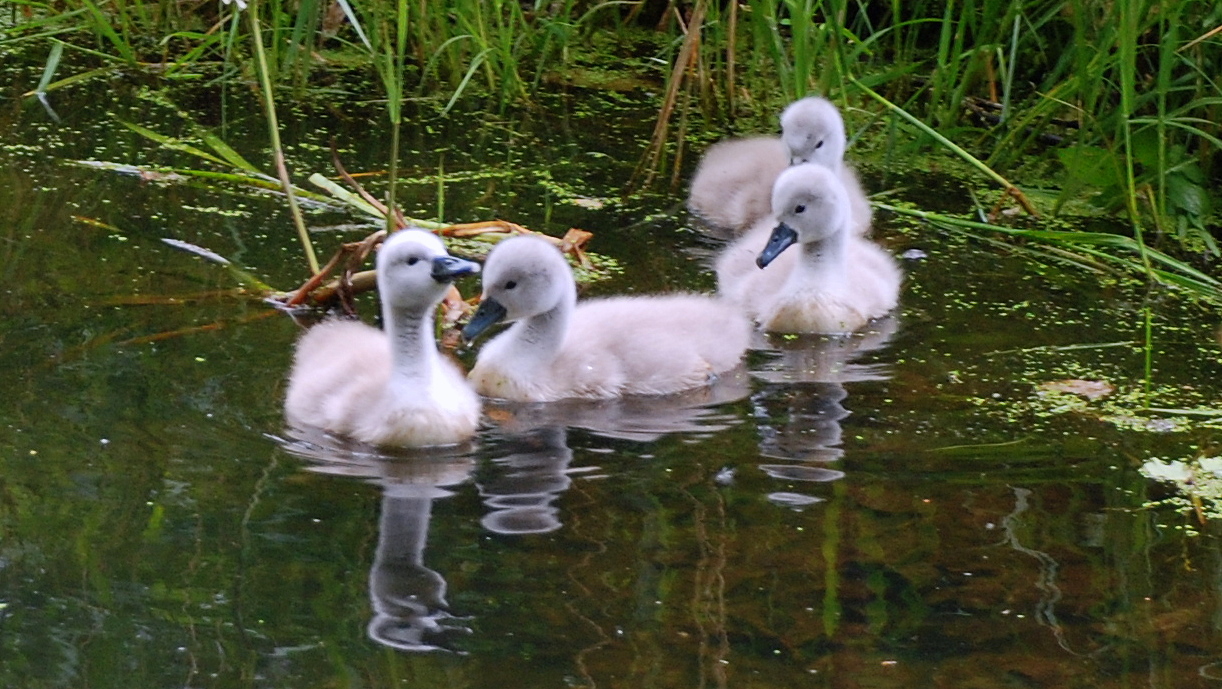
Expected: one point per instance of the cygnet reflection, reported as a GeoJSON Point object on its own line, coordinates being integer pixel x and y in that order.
{"type": "Point", "coordinates": [800, 422]}
{"type": "Point", "coordinates": [410, 612]}
{"type": "Point", "coordinates": [639, 418]}
{"type": "Point", "coordinates": [520, 487]}
{"type": "Point", "coordinates": [799, 410]}
{"type": "Point", "coordinates": [828, 358]}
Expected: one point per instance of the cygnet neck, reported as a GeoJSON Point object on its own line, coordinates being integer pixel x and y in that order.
{"type": "Point", "coordinates": [833, 163]}
{"type": "Point", "coordinates": [822, 260]}
{"type": "Point", "coordinates": [538, 338]}
{"type": "Point", "coordinates": [413, 349]}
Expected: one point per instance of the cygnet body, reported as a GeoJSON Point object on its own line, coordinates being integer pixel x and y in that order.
{"type": "Point", "coordinates": [732, 187]}
{"type": "Point", "coordinates": [601, 348]}
{"type": "Point", "coordinates": [834, 281]}
{"type": "Point", "coordinates": [389, 388]}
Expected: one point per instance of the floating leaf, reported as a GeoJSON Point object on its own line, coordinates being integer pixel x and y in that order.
{"type": "Point", "coordinates": [1174, 470]}
{"type": "Point", "coordinates": [1090, 389]}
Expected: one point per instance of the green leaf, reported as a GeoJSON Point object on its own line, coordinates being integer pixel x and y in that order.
{"type": "Point", "coordinates": [171, 143]}
{"type": "Point", "coordinates": [225, 151]}
{"type": "Point", "coordinates": [1186, 196]}
{"type": "Point", "coordinates": [57, 51]}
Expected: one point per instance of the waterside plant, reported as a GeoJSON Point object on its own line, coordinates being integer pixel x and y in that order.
{"type": "Point", "coordinates": [1121, 99]}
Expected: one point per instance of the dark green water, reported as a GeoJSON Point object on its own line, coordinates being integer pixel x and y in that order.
{"type": "Point", "coordinates": [897, 511]}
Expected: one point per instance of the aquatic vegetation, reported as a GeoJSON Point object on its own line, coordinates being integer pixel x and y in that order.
{"type": "Point", "coordinates": [1055, 388]}
{"type": "Point", "coordinates": [1198, 485]}
{"type": "Point", "coordinates": [1120, 99]}
{"type": "Point", "coordinates": [1096, 250]}
{"type": "Point", "coordinates": [317, 290]}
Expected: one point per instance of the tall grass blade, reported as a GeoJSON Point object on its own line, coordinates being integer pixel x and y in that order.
{"type": "Point", "coordinates": [1177, 273]}
{"type": "Point", "coordinates": [172, 143]}
{"type": "Point", "coordinates": [48, 71]}
{"type": "Point", "coordinates": [226, 151]}
{"type": "Point", "coordinates": [1011, 62]}
{"type": "Point", "coordinates": [348, 197]}
{"type": "Point", "coordinates": [102, 24]}
{"type": "Point", "coordinates": [68, 81]}
{"type": "Point", "coordinates": [462, 85]}
{"type": "Point", "coordinates": [273, 129]}
{"type": "Point", "coordinates": [356, 23]}
{"type": "Point", "coordinates": [170, 175]}
{"type": "Point", "coordinates": [950, 145]}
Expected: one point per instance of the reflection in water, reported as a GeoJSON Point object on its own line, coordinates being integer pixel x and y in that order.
{"type": "Point", "coordinates": [828, 358]}
{"type": "Point", "coordinates": [1046, 582]}
{"type": "Point", "coordinates": [799, 411]}
{"type": "Point", "coordinates": [410, 612]}
{"type": "Point", "coordinates": [525, 482]}
{"type": "Point", "coordinates": [809, 428]}
{"type": "Point", "coordinates": [640, 418]}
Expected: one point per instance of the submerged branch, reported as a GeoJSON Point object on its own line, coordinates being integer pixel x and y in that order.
{"type": "Point", "coordinates": [323, 292]}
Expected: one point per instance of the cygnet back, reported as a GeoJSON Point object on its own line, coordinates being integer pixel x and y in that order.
{"type": "Point", "coordinates": [600, 348]}
{"type": "Point", "coordinates": [732, 186]}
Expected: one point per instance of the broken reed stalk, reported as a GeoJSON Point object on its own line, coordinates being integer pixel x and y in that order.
{"type": "Point", "coordinates": [400, 221]}
{"type": "Point", "coordinates": [688, 53]}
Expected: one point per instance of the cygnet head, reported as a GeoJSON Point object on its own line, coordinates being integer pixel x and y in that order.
{"type": "Point", "coordinates": [813, 131]}
{"type": "Point", "coordinates": [810, 204]}
{"type": "Point", "coordinates": [414, 270]}
{"type": "Point", "coordinates": [524, 276]}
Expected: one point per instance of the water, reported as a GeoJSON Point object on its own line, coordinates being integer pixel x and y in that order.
{"type": "Point", "coordinates": [896, 510]}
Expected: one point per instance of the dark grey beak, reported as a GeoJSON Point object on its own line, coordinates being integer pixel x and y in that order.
{"type": "Point", "coordinates": [446, 268]}
{"type": "Point", "coordinates": [489, 313]}
{"type": "Point", "coordinates": [781, 238]}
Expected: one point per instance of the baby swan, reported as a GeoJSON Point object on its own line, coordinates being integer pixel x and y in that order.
{"type": "Point", "coordinates": [835, 282]}
{"type": "Point", "coordinates": [388, 388]}
{"type": "Point", "coordinates": [732, 187]}
{"type": "Point", "coordinates": [601, 348]}
{"type": "Point", "coordinates": [813, 132]}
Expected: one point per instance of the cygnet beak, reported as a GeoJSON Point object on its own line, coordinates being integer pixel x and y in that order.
{"type": "Point", "coordinates": [781, 238]}
{"type": "Point", "coordinates": [446, 268]}
{"type": "Point", "coordinates": [490, 312]}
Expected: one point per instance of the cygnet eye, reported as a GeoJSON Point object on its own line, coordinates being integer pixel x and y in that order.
{"type": "Point", "coordinates": [800, 208]}
{"type": "Point", "coordinates": [511, 284]}
{"type": "Point", "coordinates": [413, 260]}
{"type": "Point", "coordinates": [818, 145]}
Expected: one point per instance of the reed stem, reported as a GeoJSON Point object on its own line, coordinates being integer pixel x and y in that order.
{"type": "Point", "coordinates": [273, 129]}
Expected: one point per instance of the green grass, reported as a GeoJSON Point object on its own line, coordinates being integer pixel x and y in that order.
{"type": "Point", "coordinates": [1131, 90]}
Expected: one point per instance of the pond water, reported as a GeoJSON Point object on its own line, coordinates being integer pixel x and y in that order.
{"type": "Point", "coordinates": [902, 509]}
